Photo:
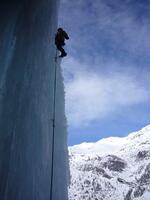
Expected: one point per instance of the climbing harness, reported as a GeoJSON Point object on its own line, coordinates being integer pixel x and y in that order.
{"type": "Point", "coordinates": [53, 122]}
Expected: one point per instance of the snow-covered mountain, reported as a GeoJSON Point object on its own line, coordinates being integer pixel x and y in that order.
{"type": "Point", "coordinates": [112, 168]}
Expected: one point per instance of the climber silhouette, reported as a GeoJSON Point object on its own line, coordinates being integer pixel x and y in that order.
{"type": "Point", "coordinates": [60, 37]}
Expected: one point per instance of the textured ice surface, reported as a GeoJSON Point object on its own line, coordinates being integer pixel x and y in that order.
{"type": "Point", "coordinates": [27, 64]}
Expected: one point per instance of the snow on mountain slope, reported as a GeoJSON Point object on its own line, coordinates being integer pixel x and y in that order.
{"type": "Point", "coordinates": [112, 168]}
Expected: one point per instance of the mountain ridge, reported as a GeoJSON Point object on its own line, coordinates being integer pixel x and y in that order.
{"type": "Point", "coordinates": [112, 169]}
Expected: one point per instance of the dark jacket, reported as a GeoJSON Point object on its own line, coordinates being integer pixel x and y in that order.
{"type": "Point", "coordinates": [60, 38]}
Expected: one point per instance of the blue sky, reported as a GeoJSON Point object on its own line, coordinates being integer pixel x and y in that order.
{"type": "Point", "coordinates": [107, 71]}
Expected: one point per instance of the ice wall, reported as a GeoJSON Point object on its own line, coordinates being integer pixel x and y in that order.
{"type": "Point", "coordinates": [27, 69]}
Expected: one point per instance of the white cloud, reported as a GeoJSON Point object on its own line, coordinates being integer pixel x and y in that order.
{"type": "Point", "coordinates": [89, 21]}
{"type": "Point", "coordinates": [92, 96]}
{"type": "Point", "coordinates": [95, 27]}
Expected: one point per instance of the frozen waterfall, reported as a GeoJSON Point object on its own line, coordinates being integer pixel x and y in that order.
{"type": "Point", "coordinates": [27, 72]}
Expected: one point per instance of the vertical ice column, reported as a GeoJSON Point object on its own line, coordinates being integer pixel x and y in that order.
{"type": "Point", "coordinates": [27, 68]}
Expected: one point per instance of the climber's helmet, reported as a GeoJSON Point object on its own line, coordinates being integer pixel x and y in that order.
{"type": "Point", "coordinates": [59, 29]}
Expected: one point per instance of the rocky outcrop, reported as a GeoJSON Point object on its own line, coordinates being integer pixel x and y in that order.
{"type": "Point", "coordinates": [120, 175]}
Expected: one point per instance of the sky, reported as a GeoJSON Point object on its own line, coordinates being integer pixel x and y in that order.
{"type": "Point", "coordinates": [107, 70]}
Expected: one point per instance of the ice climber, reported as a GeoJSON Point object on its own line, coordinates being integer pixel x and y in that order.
{"type": "Point", "coordinates": [60, 37]}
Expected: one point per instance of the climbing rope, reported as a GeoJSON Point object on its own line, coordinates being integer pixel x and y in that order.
{"type": "Point", "coordinates": [53, 133]}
